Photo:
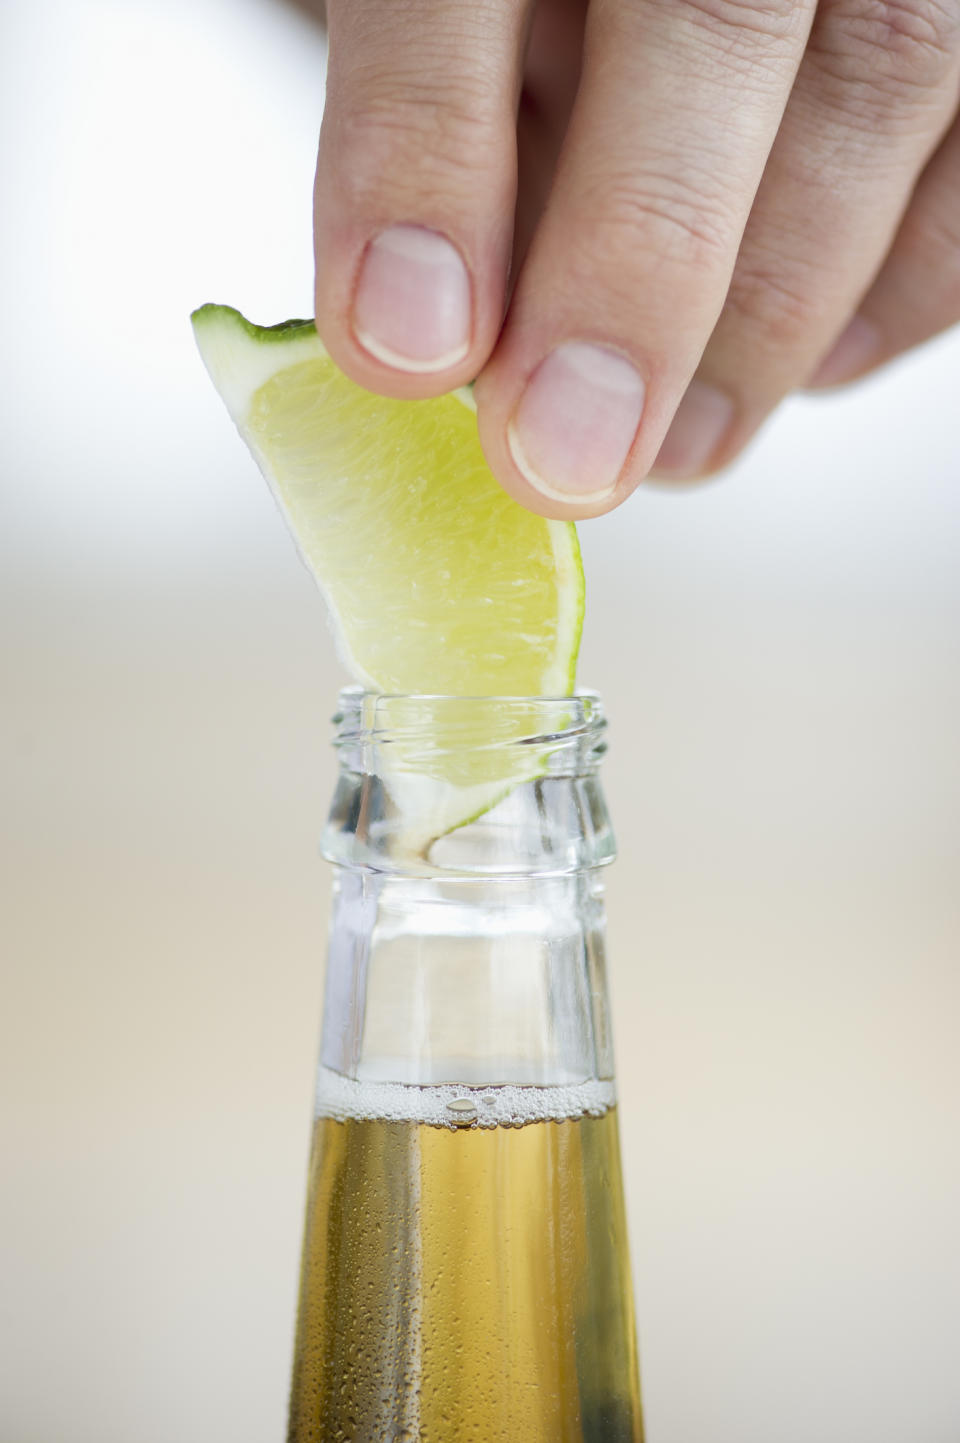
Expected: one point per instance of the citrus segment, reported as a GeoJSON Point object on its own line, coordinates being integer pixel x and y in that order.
{"type": "Point", "coordinates": [437, 580]}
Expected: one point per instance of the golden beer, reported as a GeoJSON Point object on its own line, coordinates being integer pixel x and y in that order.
{"type": "Point", "coordinates": [465, 1276]}
{"type": "Point", "coordinates": [466, 1279]}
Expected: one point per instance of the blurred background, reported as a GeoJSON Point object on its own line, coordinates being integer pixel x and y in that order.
{"type": "Point", "coordinates": [780, 655]}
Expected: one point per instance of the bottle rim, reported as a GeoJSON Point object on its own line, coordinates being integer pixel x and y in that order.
{"type": "Point", "coordinates": [357, 690]}
{"type": "Point", "coordinates": [469, 785]}
{"type": "Point", "coordinates": [446, 724]}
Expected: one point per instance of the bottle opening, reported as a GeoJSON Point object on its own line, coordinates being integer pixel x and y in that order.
{"type": "Point", "coordinates": [377, 732]}
{"type": "Point", "coordinates": [489, 784]}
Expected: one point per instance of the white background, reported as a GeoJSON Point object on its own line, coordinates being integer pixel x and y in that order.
{"type": "Point", "coordinates": [780, 655]}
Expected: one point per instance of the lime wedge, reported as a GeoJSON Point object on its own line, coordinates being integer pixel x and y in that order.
{"type": "Point", "coordinates": [436, 580]}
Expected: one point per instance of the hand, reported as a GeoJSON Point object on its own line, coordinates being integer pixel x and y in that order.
{"type": "Point", "coordinates": [640, 223]}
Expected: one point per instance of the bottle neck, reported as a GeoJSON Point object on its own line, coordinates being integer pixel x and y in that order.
{"type": "Point", "coordinates": [469, 786]}
{"type": "Point", "coordinates": [467, 937]}
{"type": "Point", "coordinates": [467, 980]}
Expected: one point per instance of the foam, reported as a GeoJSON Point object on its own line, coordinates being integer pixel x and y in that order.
{"type": "Point", "coordinates": [506, 1105]}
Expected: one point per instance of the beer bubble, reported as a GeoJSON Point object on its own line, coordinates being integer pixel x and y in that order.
{"type": "Point", "coordinates": [346, 1099]}
{"type": "Point", "coordinates": [463, 1111]}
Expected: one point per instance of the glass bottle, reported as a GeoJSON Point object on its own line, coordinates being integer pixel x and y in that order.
{"type": "Point", "coordinates": [465, 1268]}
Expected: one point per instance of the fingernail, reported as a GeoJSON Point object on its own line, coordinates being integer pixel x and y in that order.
{"type": "Point", "coordinates": [698, 426]}
{"type": "Point", "coordinates": [576, 421]}
{"type": "Point", "coordinates": [412, 306]}
{"type": "Point", "coordinates": [857, 347]}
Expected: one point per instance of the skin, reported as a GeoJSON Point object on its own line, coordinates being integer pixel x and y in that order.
{"type": "Point", "coordinates": [750, 195]}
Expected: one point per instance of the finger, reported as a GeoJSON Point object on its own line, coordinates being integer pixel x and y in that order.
{"type": "Point", "coordinates": [415, 188]}
{"type": "Point", "coordinates": [551, 76]}
{"type": "Point", "coordinates": [870, 102]}
{"type": "Point", "coordinates": [917, 293]}
{"type": "Point", "coordinates": [677, 108]}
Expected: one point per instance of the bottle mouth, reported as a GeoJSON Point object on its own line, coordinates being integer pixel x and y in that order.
{"type": "Point", "coordinates": [469, 786]}
{"type": "Point", "coordinates": [410, 731]}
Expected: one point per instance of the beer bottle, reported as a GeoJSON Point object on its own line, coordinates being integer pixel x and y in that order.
{"type": "Point", "coordinates": [465, 1273]}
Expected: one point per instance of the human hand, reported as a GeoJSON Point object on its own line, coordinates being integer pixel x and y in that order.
{"type": "Point", "coordinates": [605, 214]}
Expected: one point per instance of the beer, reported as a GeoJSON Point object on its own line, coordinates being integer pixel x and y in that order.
{"type": "Point", "coordinates": [465, 1271]}
{"type": "Point", "coordinates": [465, 1274]}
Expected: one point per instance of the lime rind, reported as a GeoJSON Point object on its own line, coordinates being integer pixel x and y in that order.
{"type": "Point", "coordinates": [238, 370]}
{"type": "Point", "coordinates": [241, 356]}
{"type": "Point", "coordinates": [572, 602]}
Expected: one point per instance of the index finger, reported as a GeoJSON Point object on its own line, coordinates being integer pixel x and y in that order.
{"type": "Point", "coordinates": [415, 188]}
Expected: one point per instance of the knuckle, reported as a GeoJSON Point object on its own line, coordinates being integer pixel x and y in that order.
{"type": "Point", "coordinates": [949, 311]}
{"type": "Point", "coordinates": [941, 243]}
{"type": "Point", "coordinates": [657, 217]}
{"type": "Point", "coordinates": [931, 242]}
{"type": "Point", "coordinates": [939, 237]}
{"type": "Point", "coordinates": [890, 49]}
{"type": "Point", "coordinates": [761, 19]}
{"type": "Point", "coordinates": [757, 43]}
{"type": "Point", "coordinates": [949, 308]}
{"type": "Point", "coordinates": [416, 135]}
{"type": "Point", "coordinates": [777, 303]}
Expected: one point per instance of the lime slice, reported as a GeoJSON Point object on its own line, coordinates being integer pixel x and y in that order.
{"type": "Point", "coordinates": [436, 580]}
